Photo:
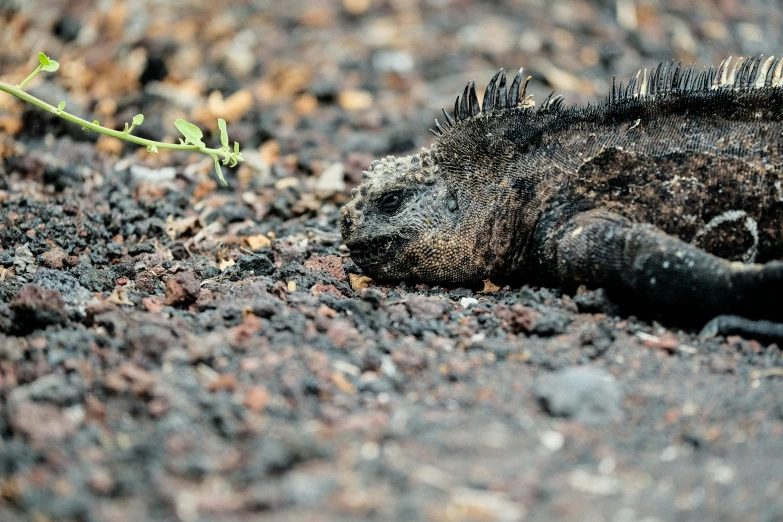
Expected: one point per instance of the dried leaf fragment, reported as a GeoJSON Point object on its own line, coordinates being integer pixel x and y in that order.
{"type": "Point", "coordinates": [255, 242]}
{"type": "Point", "coordinates": [342, 383]}
{"type": "Point", "coordinates": [489, 287]}
{"type": "Point", "coordinates": [118, 297]}
{"type": "Point", "coordinates": [359, 282]}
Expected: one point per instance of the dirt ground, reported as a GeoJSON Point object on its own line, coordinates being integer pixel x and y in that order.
{"type": "Point", "coordinates": [175, 350]}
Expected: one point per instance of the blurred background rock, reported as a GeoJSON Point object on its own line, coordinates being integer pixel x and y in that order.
{"type": "Point", "coordinates": [347, 80]}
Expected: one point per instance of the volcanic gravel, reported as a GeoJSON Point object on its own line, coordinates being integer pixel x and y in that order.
{"type": "Point", "coordinates": [173, 349]}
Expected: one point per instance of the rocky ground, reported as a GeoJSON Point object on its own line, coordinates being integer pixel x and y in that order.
{"type": "Point", "coordinates": [173, 349]}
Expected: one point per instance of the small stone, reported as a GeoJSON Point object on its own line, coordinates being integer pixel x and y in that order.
{"type": "Point", "coordinates": [141, 380]}
{"type": "Point", "coordinates": [109, 145]}
{"type": "Point", "coordinates": [224, 382]}
{"type": "Point", "coordinates": [331, 264]}
{"type": "Point", "coordinates": [427, 307]}
{"type": "Point", "coordinates": [75, 296]}
{"type": "Point", "coordinates": [152, 304]}
{"type": "Point", "coordinates": [270, 152]}
{"type": "Point", "coordinates": [355, 100]}
{"type": "Point", "coordinates": [141, 248]}
{"type": "Point", "coordinates": [595, 301]}
{"type": "Point", "coordinates": [589, 395]}
{"type": "Point", "coordinates": [259, 264]}
{"type": "Point", "coordinates": [319, 289]}
{"type": "Point", "coordinates": [182, 289]}
{"type": "Point", "coordinates": [466, 302]}
{"type": "Point", "coordinates": [373, 296]}
{"type": "Point", "coordinates": [325, 311]}
{"type": "Point", "coordinates": [239, 59]}
{"type": "Point", "coordinates": [101, 481]}
{"type": "Point", "coordinates": [308, 488]}
{"type": "Point", "coordinates": [552, 440]}
{"type": "Point", "coordinates": [41, 422]}
{"type": "Point", "coordinates": [54, 258]}
{"type": "Point", "coordinates": [474, 504]}
{"type": "Point", "coordinates": [517, 318]}
{"type": "Point", "coordinates": [23, 258]}
{"type": "Point", "coordinates": [36, 307]}
{"type": "Point", "coordinates": [331, 181]}
{"type": "Point", "coordinates": [141, 174]}
{"type": "Point", "coordinates": [257, 398]}
{"type": "Point", "coordinates": [667, 342]}
{"type": "Point", "coordinates": [96, 280]}
{"type": "Point", "coordinates": [6, 259]}
{"type": "Point", "coordinates": [397, 61]}
{"type": "Point", "coordinates": [341, 333]}
{"type": "Point", "coordinates": [356, 7]}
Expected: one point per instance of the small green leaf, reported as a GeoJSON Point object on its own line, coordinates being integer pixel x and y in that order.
{"type": "Point", "coordinates": [236, 147]}
{"type": "Point", "coordinates": [192, 133]}
{"type": "Point", "coordinates": [125, 131]}
{"type": "Point", "coordinates": [152, 149]}
{"type": "Point", "coordinates": [96, 122]}
{"type": "Point", "coordinates": [223, 132]}
{"type": "Point", "coordinates": [47, 64]}
{"type": "Point", "coordinates": [218, 170]}
{"type": "Point", "coordinates": [138, 119]}
{"type": "Point", "coordinates": [60, 107]}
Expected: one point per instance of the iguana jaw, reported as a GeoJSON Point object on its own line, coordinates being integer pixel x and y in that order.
{"type": "Point", "coordinates": [372, 253]}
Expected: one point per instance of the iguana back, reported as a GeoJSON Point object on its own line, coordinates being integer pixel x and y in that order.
{"type": "Point", "coordinates": [700, 163]}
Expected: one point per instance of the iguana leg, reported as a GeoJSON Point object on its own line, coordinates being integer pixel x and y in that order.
{"type": "Point", "coordinates": [669, 276]}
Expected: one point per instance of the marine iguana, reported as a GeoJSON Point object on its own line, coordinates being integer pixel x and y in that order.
{"type": "Point", "coordinates": [669, 194]}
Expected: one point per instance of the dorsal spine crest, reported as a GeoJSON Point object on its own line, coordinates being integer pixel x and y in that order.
{"type": "Point", "coordinates": [664, 80]}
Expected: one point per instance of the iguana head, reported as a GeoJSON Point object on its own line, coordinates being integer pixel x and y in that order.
{"type": "Point", "coordinates": [405, 222]}
{"type": "Point", "coordinates": [444, 215]}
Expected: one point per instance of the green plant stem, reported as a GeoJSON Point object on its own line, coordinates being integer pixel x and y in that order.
{"type": "Point", "coordinates": [19, 93]}
{"type": "Point", "coordinates": [32, 75]}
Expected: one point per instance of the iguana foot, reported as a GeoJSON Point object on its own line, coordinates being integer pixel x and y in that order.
{"type": "Point", "coordinates": [764, 331]}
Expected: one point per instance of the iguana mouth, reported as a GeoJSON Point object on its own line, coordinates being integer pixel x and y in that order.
{"type": "Point", "coordinates": [376, 250]}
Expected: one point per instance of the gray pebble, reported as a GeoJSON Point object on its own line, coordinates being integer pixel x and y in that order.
{"type": "Point", "coordinates": [589, 395]}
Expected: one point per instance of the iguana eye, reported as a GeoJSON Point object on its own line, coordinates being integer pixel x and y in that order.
{"type": "Point", "coordinates": [451, 203]}
{"type": "Point", "coordinates": [392, 201]}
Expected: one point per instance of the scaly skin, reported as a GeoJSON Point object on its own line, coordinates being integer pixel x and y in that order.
{"type": "Point", "coordinates": [669, 195]}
